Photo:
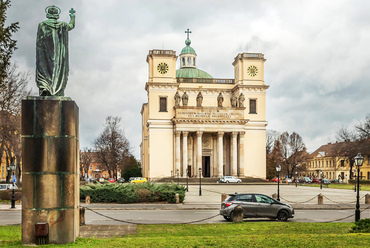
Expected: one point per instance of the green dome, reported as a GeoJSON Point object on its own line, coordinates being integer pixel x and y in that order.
{"type": "Point", "coordinates": [188, 48]}
{"type": "Point", "coordinates": [191, 73]}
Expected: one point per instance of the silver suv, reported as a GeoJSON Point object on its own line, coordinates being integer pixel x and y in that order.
{"type": "Point", "coordinates": [256, 206]}
{"type": "Point", "coordinates": [229, 179]}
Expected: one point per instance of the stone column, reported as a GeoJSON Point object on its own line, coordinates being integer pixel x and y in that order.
{"type": "Point", "coordinates": [220, 154]}
{"type": "Point", "coordinates": [241, 154]}
{"type": "Point", "coordinates": [184, 152]}
{"type": "Point", "coordinates": [50, 169]}
{"type": "Point", "coordinates": [234, 154]}
{"type": "Point", "coordinates": [177, 156]}
{"type": "Point", "coordinates": [199, 152]}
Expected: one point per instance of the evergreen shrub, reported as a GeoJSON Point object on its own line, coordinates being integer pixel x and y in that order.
{"type": "Point", "coordinates": [132, 193]}
{"type": "Point", "coordinates": [362, 226]}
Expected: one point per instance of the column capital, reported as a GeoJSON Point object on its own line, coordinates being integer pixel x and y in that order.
{"type": "Point", "coordinates": [177, 133]}
{"type": "Point", "coordinates": [241, 133]}
{"type": "Point", "coordinates": [234, 134]}
{"type": "Point", "coordinates": [185, 133]}
{"type": "Point", "coordinates": [199, 133]}
{"type": "Point", "coordinates": [220, 134]}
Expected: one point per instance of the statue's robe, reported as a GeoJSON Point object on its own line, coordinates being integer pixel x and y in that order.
{"type": "Point", "coordinates": [52, 66]}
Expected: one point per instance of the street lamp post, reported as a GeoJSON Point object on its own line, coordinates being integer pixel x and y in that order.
{"type": "Point", "coordinates": [171, 174]}
{"type": "Point", "coordinates": [178, 177]}
{"type": "Point", "coordinates": [358, 161]}
{"type": "Point", "coordinates": [200, 181]}
{"type": "Point", "coordinates": [187, 182]}
{"type": "Point", "coordinates": [355, 176]}
{"type": "Point", "coordinates": [296, 177]}
{"type": "Point", "coordinates": [321, 179]}
{"type": "Point", "coordinates": [278, 169]}
{"type": "Point", "coordinates": [12, 168]}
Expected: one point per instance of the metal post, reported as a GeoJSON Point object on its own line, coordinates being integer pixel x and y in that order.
{"type": "Point", "coordinates": [278, 195]}
{"type": "Point", "coordinates": [187, 181]}
{"type": "Point", "coordinates": [13, 198]}
{"type": "Point", "coordinates": [178, 177]}
{"type": "Point", "coordinates": [296, 175]}
{"type": "Point", "coordinates": [200, 181]}
{"type": "Point", "coordinates": [357, 212]}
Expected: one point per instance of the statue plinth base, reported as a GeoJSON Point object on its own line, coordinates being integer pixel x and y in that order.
{"type": "Point", "coordinates": [50, 149]}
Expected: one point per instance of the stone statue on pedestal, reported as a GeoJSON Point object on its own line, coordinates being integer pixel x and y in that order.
{"type": "Point", "coordinates": [233, 100]}
{"type": "Point", "coordinates": [199, 99]}
{"type": "Point", "coordinates": [177, 99]}
{"type": "Point", "coordinates": [52, 65]}
{"type": "Point", "coordinates": [185, 99]}
{"type": "Point", "coordinates": [241, 100]}
{"type": "Point", "coordinates": [220, 100]}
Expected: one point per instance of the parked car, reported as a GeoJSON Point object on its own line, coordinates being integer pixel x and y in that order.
{"type": "Point", "coordinates": [139, 180]}
{"type": "Point", "coordinates": [306, 180]}
{"type": "Point", "coordinates": [101, 180]}
{"type": "Point", "coordinates": [229, 179]}
{"type": "Point", "coordinates": [7, 186]}
{"type": "Point", "coordinates": [111, 180]}
{"type": "Point", "coordinates": [326, 181]}
{"type": "Point", "coordinates": [275, 180]}
{"type": "Point", "coordinates": [121, 180]}
{"type": "Point", "coordinates": [256, 206]}
{"type": "Point", "coordinates": [130, 179]}
{"type": "Point", "coordinates": [287, 180]}
{"type": "Point", "coordinates": [316, 180]}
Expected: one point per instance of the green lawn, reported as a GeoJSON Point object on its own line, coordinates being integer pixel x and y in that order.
{"type": "Point", "coordinates": [253, 234]}
{"type": "Point", "coordinates": [339, 186]}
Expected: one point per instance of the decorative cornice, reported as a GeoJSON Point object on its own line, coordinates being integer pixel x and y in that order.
{"type": "Point", "coordinates": [195, 121]}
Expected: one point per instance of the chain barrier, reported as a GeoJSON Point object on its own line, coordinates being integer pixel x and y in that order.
{"type": "Point", "coordinates": [330, 221]}
{"type": "Point", "coordinates": [342, 202]}
{"type": "Point", "coordinates": [137, 223]}
{"type": "Point", "coordinates": [298, 202]}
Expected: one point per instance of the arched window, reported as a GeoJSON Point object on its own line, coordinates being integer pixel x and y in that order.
{"type": "Point", "coordinates": [183, 61]}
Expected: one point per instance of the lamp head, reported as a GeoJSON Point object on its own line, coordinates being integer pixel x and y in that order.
{"type": "Point", "coordinates": [359, 160]}
{"type": "Point", "coordinates": [278, 168]}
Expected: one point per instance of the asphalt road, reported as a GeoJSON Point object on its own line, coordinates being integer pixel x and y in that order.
{"type": "Point", "coordinates": [187, 216]}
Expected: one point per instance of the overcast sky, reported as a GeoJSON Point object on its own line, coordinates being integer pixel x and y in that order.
{"type": "Point", "coordinates": [317, 51]}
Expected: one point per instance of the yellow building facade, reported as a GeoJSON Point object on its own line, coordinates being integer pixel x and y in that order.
{"type": "Point", "coordinates": [334, 163]}
{"type": "Point", "coordinates": [194, 123]}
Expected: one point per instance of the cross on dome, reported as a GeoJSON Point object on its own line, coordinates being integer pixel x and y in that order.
{"type": "Point", "coordinates": [188, 32]}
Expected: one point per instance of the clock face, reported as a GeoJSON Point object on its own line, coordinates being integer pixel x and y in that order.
{"type": "Point", "coordinates": [252, 70]}
{"type": "Point", "coordinates": [162, 68]}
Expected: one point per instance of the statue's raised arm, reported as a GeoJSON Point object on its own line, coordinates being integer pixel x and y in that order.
{"type": "Point", "coordinates": [52, 64]}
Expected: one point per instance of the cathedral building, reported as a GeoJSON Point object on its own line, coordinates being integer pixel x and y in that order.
{"type": "Point", "coordinates": [196, 124]}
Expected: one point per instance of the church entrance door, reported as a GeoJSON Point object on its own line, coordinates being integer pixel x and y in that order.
{"type": "Point", "coordinates": [206, 166]}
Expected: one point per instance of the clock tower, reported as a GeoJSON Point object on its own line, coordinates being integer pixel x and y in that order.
{"type": "Point", "coordinates": [249, 69]}
{"type": "Point", "coordinates": [162, 66]}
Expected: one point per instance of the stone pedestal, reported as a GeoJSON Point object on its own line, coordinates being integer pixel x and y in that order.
{"type": "Point", "coordinates": [50, 168]}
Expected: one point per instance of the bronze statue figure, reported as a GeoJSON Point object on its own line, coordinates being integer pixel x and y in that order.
{"type": "Point", "coordinates": [52, 65]}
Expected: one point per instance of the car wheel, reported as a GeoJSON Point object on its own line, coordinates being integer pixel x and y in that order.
{"type": "Point", "coordinates": [226, 218]}
{"type": "Point", "coordinates": [282, 215]}
{"type": "Point", "coordinates": [232, 216]}
{"type": "Point", "coordinates": [227, 181]}
{"type": "Point", "coordinates": [239, 181]}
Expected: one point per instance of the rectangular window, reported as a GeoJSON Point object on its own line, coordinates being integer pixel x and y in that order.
{"type": "Point", "coordinates": [342, 163]}
{"type": "Point", "coordinates": [252, 106]}
{"type": "Point", "coordinates": [90, 167]}
{"type": "Point", "coordinates": [163, 104]}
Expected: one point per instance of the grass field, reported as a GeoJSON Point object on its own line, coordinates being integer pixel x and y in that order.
{"type": "Point", "coordinates": [252, 234]}
{"type": "Point", "coordinates": [339, 186]}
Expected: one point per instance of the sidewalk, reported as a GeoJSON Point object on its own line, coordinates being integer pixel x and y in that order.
{"type": "Point", "coordinates": [298, 197]}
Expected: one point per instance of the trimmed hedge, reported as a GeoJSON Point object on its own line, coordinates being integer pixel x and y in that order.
{"type": "Point", "coordinates": [132, 193]}
{"type": "Point", "coordinates": [362, 226]}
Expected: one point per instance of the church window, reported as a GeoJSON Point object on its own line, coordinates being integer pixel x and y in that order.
{"type": "Point", "coordinates": [189, 61]}
{"type": "Point", "coordinates": [183, 61]}
{"type": "Point", "coordinates": [252, 106]}
{"type": "Point", "coordinates": [193, 61]}
{"type": "Point", "coordinates": [163, 104]}
{"type": "Point", "coordinates": [327, 163]}
{"type": "Point", "coordinates": [342, 163]}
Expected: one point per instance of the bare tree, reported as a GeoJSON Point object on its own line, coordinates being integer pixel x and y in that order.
{"type": "Point", "coordinates": [111, 146]}
{"type": "Point", "coordinates": [346, 135]}
{"type": "Point", "coordinates": [363, 128]}
{"type": "Point", "coordinates": [271, 136]}
{"type": "Point", "coordinates": [85, 161]}
{"type": "Point", "coordinates": [11, 94]}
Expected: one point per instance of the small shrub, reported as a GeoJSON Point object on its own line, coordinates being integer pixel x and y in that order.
{"type": "Point", "coordinates": [362, 226]}
{"type": "Point", "coordinates": [142, 195]}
